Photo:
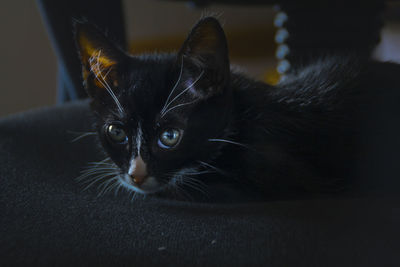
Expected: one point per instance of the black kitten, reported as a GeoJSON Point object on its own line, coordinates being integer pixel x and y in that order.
{"type": "Point", "coordinates": [187, 119]}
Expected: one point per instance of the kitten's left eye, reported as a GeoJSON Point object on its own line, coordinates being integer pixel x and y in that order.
{"type": "Point", "coordinates": [116, 134]}
{"type": "Point", "coordinates": [169, 138]}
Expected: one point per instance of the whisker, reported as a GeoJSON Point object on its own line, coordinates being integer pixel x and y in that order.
{"type": "Point", "coordinates": [97, 179]}
{"type": "Point", "coordinates": [97, 71]}
{"type": "Point", "coordinates": [182, 193]}
{"type": "Point", "coordinates": [118, 187]}
{"type": "Point", "coordinates": [101, 161]}
{"type": "Point", "coordinates": [92, 172]}
{"type": "Point", "coordinates": [195, 186]}
{"type": "Point", "coordinates": [108, 72]}
{"type": "Point", "coordinates": [101, 172]}
{"type": "Point", "coordinates": [228, 141]}
{"type": "Point", "coordinates": [182, 179]}
{"type": "Point", "coordinates": [133, 197]}
{"type": "Point", "coordinates": [115, 182]}
{"type": "Point", "coordinates": [192, 181]}
{"type": "Point", "coordinates": [178, 190]}
{"type": "Point", "coordinates": [173, 89]}
{"type": "Point", "coordinates": [100, 168]}
{"type": "Point", "coordinates": [103, 187]}
{"type": "Point", "coordinates": [213, 167]}
{"type": "Point", "coordinates": [109, 90]}
{"type": "Point", "coordinates": [198, 173]}
{"type": "Point", "coordinates": [195, 183]}
{"type": "Point", "coordinates": [87, 175]}
{"type": "Point", "coordinates": [95, 172]}
{"type": "Point", "coordinates": [82, 136]}
{"type": "Point", "coordinates": [101, 164]}
{"type": "Point", "coordinates": [186, 89]}
{"type": "Point", "coordinates": [184, 104]}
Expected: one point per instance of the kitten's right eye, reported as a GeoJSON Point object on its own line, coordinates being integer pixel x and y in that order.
{"type": "Point", "coordinates": [116, 134]}
{"type": "Point", "coordinates": [169, 138]}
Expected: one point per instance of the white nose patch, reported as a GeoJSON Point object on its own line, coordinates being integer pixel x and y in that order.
{"type": "Point", "coordinates": [132, 166]}
{"type": "Point", "coordinates": [133, 163]}
{"type": "Point", "coordinates": [137, 167]}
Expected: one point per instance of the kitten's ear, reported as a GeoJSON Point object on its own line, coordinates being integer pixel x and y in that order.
{"type": "Point", "coordinates": [206, 51]}
{"type": "Point", "coordinates": [99, 59]}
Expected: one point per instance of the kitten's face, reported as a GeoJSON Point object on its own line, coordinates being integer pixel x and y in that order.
{"type": "Point", "coordinates": [157, 114]}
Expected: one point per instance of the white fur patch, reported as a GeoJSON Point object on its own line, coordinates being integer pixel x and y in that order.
{"type": "Point", "coordinates": [139, 136]}
{"type": "Point", "coordinates": [132, 166]}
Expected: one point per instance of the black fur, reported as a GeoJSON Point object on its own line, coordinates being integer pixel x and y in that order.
{"type": "Point", "coordinates": [303, 134]}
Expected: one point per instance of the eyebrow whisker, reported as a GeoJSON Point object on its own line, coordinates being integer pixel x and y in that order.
{"type": "Point", "coordinates": [97, 71]}
{"type": "Point", "coordinates": [173, 89]}
{"type": "Point", "coordinates": [186, 89]}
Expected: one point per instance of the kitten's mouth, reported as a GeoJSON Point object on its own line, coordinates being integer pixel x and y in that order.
{"type": "Point", "coordinates": [143, 185]}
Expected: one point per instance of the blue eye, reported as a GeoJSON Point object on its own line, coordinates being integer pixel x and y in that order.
{"type": "Point", "coordinates": [169, 138]}
{"type": "Point", "coordinates": [116, 134]}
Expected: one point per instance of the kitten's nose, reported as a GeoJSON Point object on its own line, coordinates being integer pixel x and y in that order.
{"type": "Point", "coordinates": [138, 172]}
{"type": "Point", "coordinates": [138, 180]}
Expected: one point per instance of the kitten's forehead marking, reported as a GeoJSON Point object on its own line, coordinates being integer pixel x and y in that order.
{"type": "Point", "coordinates": [139, 136]}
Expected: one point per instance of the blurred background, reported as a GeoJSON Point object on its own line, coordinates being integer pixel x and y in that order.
{"type": "Point", "coordinates": [28, 68]}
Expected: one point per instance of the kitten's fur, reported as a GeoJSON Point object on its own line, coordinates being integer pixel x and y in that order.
{"type": "Point", "coordinates": [299, 135]}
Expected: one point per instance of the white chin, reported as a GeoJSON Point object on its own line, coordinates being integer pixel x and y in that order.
{"type": "Point", "coordinates": [148, 187]}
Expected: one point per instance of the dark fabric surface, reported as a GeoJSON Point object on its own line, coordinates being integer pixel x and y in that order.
{"type": "Point", "coordinates": [47, 219]}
